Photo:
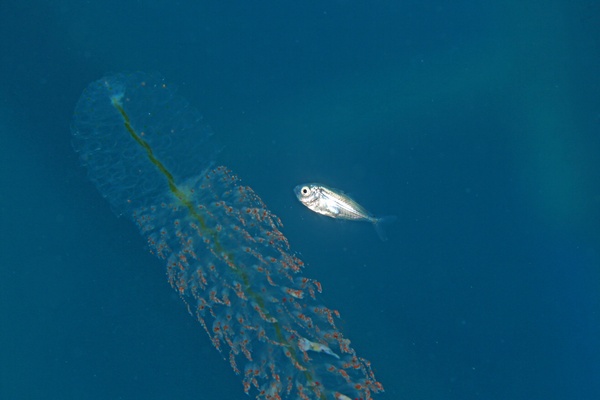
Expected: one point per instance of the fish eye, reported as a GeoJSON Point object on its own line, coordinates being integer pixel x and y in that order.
{"type": "Point", "coordinates": [305, 190]}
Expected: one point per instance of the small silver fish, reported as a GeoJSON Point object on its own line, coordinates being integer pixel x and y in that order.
{"type": "Point", "coordinates": [335, 204]}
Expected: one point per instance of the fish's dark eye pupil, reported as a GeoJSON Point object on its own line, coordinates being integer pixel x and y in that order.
{"type": "Point", "coordinates": [304, 190]}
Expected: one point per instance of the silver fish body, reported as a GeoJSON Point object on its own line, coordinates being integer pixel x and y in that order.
{"type": "Point", "coordinates": [335, 204]}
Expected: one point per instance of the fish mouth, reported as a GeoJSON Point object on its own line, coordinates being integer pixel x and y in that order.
{"type": "Point", "coordinates": [297, 190]}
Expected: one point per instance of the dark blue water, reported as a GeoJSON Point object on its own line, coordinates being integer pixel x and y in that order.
{"type": "Point", "coordinates": [475, 123]}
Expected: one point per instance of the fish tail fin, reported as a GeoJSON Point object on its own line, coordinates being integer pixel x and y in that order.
{"type": "Point", "coordinates": [378, 223]}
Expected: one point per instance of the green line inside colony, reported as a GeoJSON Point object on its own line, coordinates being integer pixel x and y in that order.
{"type": "Point", "coordinates": [213, 234]}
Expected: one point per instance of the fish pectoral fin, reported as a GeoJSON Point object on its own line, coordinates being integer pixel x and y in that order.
{"type": "Point", "coordinates": [333, 209]}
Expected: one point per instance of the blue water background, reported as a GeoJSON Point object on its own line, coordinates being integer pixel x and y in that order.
{"type": "Point", "coordinates": [475, 122]}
